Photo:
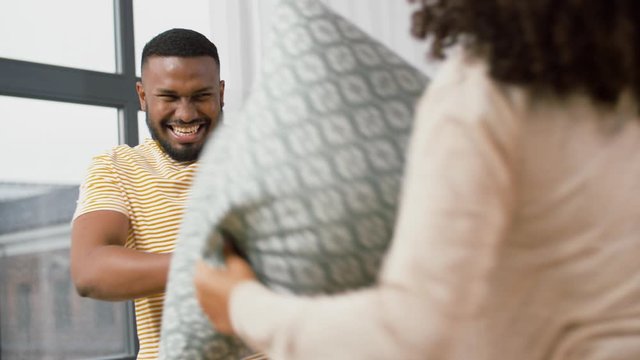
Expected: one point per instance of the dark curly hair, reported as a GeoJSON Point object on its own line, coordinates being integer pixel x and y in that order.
{"type": "Point", "coordinates": [181, 43]}
{"type": "Point", "coordinates": [590, 46]}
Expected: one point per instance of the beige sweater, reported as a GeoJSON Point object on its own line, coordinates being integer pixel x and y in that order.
{"type": "Point", "coordinates": [518, 237]}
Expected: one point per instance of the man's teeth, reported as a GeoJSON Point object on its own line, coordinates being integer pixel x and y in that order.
{"type": "Point", "coordinates": [185, 130]}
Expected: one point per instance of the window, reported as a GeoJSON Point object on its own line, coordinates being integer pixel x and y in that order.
{"type": "Point", "coordinates": [104, 314]}
{"type": "Point", "coordinates": [56, 39]}
{"type": "Point", "coordinates": [52, 142]}
{"type": "Point", "coordinates": [45, 318]}
{"type": "Point", "coordinates": [62, 104]}
{"type": "Point", "coordinates": [62, 293]}
{"type": "Point", "coordinates": [23, 307]}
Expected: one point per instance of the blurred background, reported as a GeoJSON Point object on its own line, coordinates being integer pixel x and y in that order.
{"type": "Point", "coordinates": [67, 92]}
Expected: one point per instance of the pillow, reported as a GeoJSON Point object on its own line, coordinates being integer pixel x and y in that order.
{"type": "Point", "coordinates": [305, 177]}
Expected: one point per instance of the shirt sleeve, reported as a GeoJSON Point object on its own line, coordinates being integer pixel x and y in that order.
{"type": "Point", "coordinates": [101, 189]}
{"type": "Point", "coordinates": [454, 212]}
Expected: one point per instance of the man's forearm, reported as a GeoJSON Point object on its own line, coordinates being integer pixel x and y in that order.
{"type": "Point", "coordinates": [118, 273]}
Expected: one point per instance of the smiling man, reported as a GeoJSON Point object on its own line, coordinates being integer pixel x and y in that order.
{"type": "Point", "coordinates": [182, 98]}
{"type": "Point", "coordinates": [132, 199]}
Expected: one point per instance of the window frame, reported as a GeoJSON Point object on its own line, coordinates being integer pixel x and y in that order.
{"type": "Point", "coordinates": [34, 80]}
{"type": "Point", "coordinates": [58, 83]}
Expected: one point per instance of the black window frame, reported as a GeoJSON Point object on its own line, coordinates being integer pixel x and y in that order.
{"type": "Point", "coordinates": [58, 83]}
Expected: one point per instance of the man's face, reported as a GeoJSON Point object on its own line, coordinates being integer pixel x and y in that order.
{"type": "Point", "coordinates": [183, 99]}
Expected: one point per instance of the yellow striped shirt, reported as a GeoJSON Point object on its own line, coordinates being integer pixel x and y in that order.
{"type": "Point", "coordinates": [151, 189]}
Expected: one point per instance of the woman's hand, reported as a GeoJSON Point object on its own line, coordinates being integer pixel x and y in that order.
{"type": "Point", "coordinates": [215, 285]}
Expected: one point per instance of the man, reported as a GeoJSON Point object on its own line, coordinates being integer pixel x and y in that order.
{"type": "Point", "coordinates": [132, 200]}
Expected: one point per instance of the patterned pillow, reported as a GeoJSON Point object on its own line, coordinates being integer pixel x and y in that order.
{"type": "Point", "coordinates": [306, 177]}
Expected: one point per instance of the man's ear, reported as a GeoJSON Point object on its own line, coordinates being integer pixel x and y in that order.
{"type": "Point", "coordinates": [221, 94]}
{"type": "Point", "coordinates": [142, 96]}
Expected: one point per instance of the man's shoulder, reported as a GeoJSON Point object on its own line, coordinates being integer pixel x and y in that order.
{"type": "Point", "coordinates": [125, 158]}
{"type": "Point", "coordinates": [126, 152]}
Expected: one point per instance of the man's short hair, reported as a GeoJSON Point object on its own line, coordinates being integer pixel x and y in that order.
{"type": "Point", "coordinates": [181, 43]}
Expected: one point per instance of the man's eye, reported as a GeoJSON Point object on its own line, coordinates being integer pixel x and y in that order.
{"type": "Point", "coordinates": [168, 97]}
{"type": "Point", "coordinates": [201, 97]}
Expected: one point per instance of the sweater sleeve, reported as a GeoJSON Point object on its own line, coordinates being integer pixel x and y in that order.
{"type": "Point", "coordinates": [454, 212]}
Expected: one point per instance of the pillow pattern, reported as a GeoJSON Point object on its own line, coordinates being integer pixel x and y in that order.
{"type": "Point", "coordinates": [305, 178]}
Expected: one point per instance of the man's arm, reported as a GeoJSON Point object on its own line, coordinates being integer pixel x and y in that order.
{"type": "Point", "coordinates": [102, 268]}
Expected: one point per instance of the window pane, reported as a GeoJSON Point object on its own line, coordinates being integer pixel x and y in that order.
{"type": "Point", "coordinates": [44, 153]}
{"type": "Point", "coordinates": [73, 33]}
{"type": "Point", "coordinates": [42, 316]}
{"type": "Point", "coordinates": [155, 16]}
{"type": "Point", "coordinates": [50, 142]}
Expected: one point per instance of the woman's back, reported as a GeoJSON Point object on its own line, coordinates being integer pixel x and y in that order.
{"type": "Point", "coordinates": [565, 282]}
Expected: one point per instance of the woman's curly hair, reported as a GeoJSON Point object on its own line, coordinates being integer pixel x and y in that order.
{"type": "Point", "coordinates": [591, 46]}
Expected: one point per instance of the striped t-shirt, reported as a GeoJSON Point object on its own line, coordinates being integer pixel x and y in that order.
{"type": "Point", "coordinates": [151, 189]}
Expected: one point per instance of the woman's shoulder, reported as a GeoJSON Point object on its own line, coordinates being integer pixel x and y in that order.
{"type": "Point", "coordinates": [464, 88]}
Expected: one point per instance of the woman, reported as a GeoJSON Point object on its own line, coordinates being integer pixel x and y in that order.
{"type": "Point", "coordinates": [518, 232]}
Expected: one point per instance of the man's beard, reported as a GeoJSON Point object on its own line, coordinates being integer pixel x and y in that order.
{"type": "Point", "coordinates": [187, 152]}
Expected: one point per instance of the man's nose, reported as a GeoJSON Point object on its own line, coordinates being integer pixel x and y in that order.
{"type": "Point", "coordinates": [186, 111]}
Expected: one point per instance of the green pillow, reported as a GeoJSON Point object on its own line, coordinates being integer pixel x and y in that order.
{"type": "Point", "coordinates": [305, 178]}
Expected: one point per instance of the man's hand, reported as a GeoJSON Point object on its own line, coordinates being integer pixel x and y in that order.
{"type": "Point", "coordinates": [214, 288]}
